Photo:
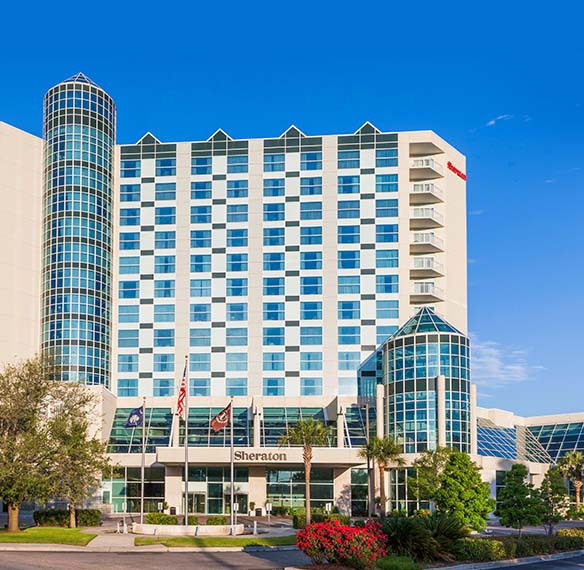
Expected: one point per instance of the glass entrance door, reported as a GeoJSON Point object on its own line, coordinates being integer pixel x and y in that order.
{"type": "Point", "coordinates": [197, 502]}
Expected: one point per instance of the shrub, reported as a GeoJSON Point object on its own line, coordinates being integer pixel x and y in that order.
{"type": "Point", "coordinates": [160, 518]}
{"type": "Point", "coordinates": [409, 537]}
{"type": "Point", "coordinates": [397, 563]}
{"type": "Point", "coordinates": [447, 531]}
{"type": "Point", "coordinates": [481, 550]}
{"type": "Point", "coordinates": [88, 517]}
{"type": "Point", "coordinates": [568, 542]}
{"type": "Point", "coordinates": [60, 517]}
{"type": "Point", "coordinates": [533, 544]}
{"type": "Point", "coordinates": [193, 520]}
{"type": "Point", "coordinates": [299, 518]}
{"type": "Point", "coordinates": [216, 520]}
{"type": "Point", "coordinates": [576, 531]}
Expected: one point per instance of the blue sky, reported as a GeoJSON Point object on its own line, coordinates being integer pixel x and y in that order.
{"type": "Point", "coordinates": [501, 81]}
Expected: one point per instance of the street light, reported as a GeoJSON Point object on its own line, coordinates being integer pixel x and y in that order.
{"type": "Point", "coordinates": [370, 500]}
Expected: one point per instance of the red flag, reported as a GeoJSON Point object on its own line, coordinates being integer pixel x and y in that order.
{"type": "Point", "coordinates": [222, 419]}
{"type": "Point", "coordinates": [182, 394]}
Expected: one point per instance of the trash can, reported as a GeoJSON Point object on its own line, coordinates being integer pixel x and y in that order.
{"type": "Point", "coordinates": [258, 512]}
{"type": "Point", "coordinates": [173, 510]}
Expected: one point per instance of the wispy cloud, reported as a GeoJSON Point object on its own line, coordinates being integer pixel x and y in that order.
{"type": "Point", "coordinates": [497, 119]}
{"type": "Point", "coordinates": [476, 212]}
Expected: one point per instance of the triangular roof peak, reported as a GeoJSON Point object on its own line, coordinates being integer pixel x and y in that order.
{"type": "Point", "coordinates": [219, 135]}
{"type": "Point", "coordinates": [292, 132]}
{"type": "Point", "coordinates": [148, 138]}
{"type": "Point", "coordinates": [425, 321]}
{"type": "Point", "coordinates": [367, 128]}
{"type": "Point", "coordinates": [80, 78]}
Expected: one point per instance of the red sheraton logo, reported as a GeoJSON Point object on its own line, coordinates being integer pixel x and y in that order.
{"type": "Point", "coordinates": [459, 173]}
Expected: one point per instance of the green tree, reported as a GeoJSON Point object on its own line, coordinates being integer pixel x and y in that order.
{"type": "Point", "coordinates": [385, 451]}
{"type": "Point", "coordinates": [519, 504]}
{"type": "Point", "coordinates": [462, 493]}
{"type": "Point", "coordinates": [307, 433]}
{"type": "Point", "coordinates": [555, 502]}
{"type": "Point", "coordinates": [571, 466]}
{"type": "Point", "coordinates": [429, 467]}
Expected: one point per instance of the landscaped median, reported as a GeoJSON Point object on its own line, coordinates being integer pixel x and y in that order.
{"type": "Point", "coordinates": [216, 541]}
{"type": "Point", "coordinates": [70, 536]}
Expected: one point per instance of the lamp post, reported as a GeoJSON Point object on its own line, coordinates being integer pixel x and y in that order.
{"type": "Point", "coordinates": [370, 500]}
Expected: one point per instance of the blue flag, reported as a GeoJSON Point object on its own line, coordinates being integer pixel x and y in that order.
{"type": "Point", "coordinates": [136, 418]}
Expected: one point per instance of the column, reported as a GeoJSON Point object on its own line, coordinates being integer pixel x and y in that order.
{"type": "Point", "coordinates": [379, 403]}
{"type": "Point", "coordinates": [473, 420]}
{"type": "Point", "coordinates": [342, 489]}
{"type": "Point", "coordinates": [257, 416]}
{"type": "Point", "coordinates": [173, 487]}
{"type": "Point", "coordinates": [441, 410]}
{"type": "Point", "coordinates": [340, 427]}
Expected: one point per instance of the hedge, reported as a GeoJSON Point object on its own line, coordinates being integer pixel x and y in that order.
{"type": "Point", "coordinates": [299, 519]}
{"type": "Point", "coordinates": [193, 520]}
{"type": "Point", "coordinates": [217, 520]}
{"type": "Point", "coordinates": [160, 518]}
{"type": "Point", "coordinates": [397, 563]}
{"type": "Point", "coordinates": [60, 517]}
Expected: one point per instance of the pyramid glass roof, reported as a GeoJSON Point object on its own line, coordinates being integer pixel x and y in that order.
{"type": "Point", "coordinates": [80, 78]}
{"type": "Point", "coordinates": [425, 321]}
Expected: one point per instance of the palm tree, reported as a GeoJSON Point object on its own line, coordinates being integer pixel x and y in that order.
{"type": "Point", "coordinates": [383, 450]}
{"type": "Point", "coordinates": [572, 466]}
{"type": "Point", "coordinates": [308, 433]}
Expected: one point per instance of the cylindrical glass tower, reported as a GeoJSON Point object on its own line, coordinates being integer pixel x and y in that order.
{"type": "Point", "coordinates": [79, 135]}
{"type": "Point", "coordinates": [426, 374]}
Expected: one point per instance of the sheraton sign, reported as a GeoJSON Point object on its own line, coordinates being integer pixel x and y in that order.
{"type": "Point", "coordinates": [456, 171]}
{"type": "Point", "coordinates": [259, 456]}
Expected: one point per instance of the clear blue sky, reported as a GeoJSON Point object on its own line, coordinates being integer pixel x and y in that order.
{"type": "Point", "coordinates": [502, 81]}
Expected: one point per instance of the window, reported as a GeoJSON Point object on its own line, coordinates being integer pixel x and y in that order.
{"type": "Point", "coordinates": [127, 363]}
{"type": "Point", "coordinates": [164, 363]}
{"type": "Point", "coordinates": [164, 337]}
{"type": "Point", "coordinates": [310, 335]}
{"type": "Point", "coordinates": [200, 190]}
{"type": "Point", "coordinates": [273, 387]}
{"type": "Point", "coordinates": [386, 283]}
{"type": "Point", "coordinates": [200, 287]}
{"type": "Point", "coordinates": [237, 238]}
{"type": "Point", "coordinates": [386, 208]}
{"type": "Point", "coordinates": [201, 165]}
{"type": "Point", "coordinates": [349, 259]}
{"type": "Point", "coordinates": [311, 310]}
{"type": "Point", "coordinates": [237, 212]}
{"type": "Point", "coordinates": [237, 188]}
{"type": "Point", "coordinates": [386, 258]}
{"type": "Point", "coordinates": [273, 336]}
{"type": "Point", "coordinates": [274, 261]}
{"type": "Point", "coordinates": [348, 159]}
{"type": "Point", "coordinates": [273, 286]}
{"type": "Point", "coordinates": [164, 313]}
{"type": "Point", "coordinates": [310, 186]}
{"type": "Point", "coordinates": [200, 362]}
{"type": "Point", "coordinates": [200, 312]}
{"type": "Point", "coordinates": [273, 236]}
{"type": "Point", "coordinates": [129, 192]}
{"type": "Point", "coordinates": [128, 314]}
{"type": "Point", "coordinates": [199, 386]}
{"type": "Point", "coordinates": [384, 332]}
{"type": "Point", "coordinates": [163, 387]}
{"type": "Point", "coordinates": [388, 309]}
{"type": "Point", "coordinates": [274, 187]}
{"type": "Point", "coordinates": [165, 215]}
{"type": "Point", "coordinates": [165, 240]}
{"type": "Point", "coordinates": [349, 310]}
{"type": "Point", "coordinates": [164, 288]}
{"type": "Point", "coordinates": [311, 386]}
{"type": "Point", "coordinates": [127, 339]}
{"type": "Point", "coordinates": [237, 262]}
{"type": "Point", "coordinates": [165, 191]}
{"type": "Point", "coordinates": [274, 162]}
{"type": "Point", "coordinates": [386, 183]}
{"type": "Point", "coordinates": [129, 169]}
{"type": "Point", "coordinates": [386, 157]}
{"type": "Point", "coordinates": [237, 311]}
{"type": "Point", "coordinates": [273, 212]}
{"type": "Point", "coordinates": [129, 289]}
{"type": "Point", "coordinates": [237, 163]}
{"type": "Point", "coordinates": [130, 240]}
{"type": "Point", "coordinates": [348, 234]}
{"type": "Point", "coordinates": [236, 337]}
{"type": "Point", "coordinates": [166, 167]}
{"type": "Point", "coordinates": [236, 287]}
{"type": "Point", "coordinates": [164, 264]}
{"type": "Point", "coordinates": [274, 311]}
{"type": "Point", "coordinates": [274, 361]}
{"type": "Point", "coordinates": [348, 209]}
{"type": "Point", "coordinates": [311, 211]}
{"type": "Point", "coordinates": [311, 260]}
{"type": "Point", "coordinates": [127, 387]}
{"type": "Point", "coordinates": [311, 161]}
{"type": "Point", "coordinates": [386, 233]}
{"type": "Point", "coordinates": [349, 360]}
{"type": "Point", "coordinates": [129, 265]}
{"type": "Point", "coordinates": [311, 361]}
{"type": "Point", "coordinates": [349, 284]}
{"type": "Point", "coordinates": [200, 238]}
{"type": "Point", "coordinates": [348, 184]}
{"type": "Point", "coordinates": [200, 263]}
{"type": "Point", "coordinates": [200, 214]}
{"type": "Point", "coordinates": [236, 362]}
{"type": "Point", "coordinates": [311, 285]}
{"type": "Point", "coordinates": [200, 337]}
{"type": "Point", "coordinates": [236, 386]}
{"type": "Point", "coordinates": [349, 335]}
{"type": "Point", "coordinates": [311, 235]}
{"type": "Point", "coordinates": [129, 216]}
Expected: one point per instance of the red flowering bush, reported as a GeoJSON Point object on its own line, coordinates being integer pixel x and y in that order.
{"type": "Point", "coordinates": [358, 547]}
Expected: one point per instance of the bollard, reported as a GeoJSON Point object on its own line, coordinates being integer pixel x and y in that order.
{"type": "Point", "coordinates": [255, 527]}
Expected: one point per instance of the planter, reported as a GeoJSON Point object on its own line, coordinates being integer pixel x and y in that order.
{"type": "Point", "coordinates": [182, 530]}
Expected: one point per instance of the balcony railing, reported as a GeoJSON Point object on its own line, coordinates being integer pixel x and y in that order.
{"type": "Point", "coordinates": [426, 291]}
{"type": "Point", "coordinates": [426, 193]}
{"type": "Point", "coordinates": [428, 163]}
{"type": "Point", "coordinates": [427, 238]}
{"type": "Point", "coordinates": [422, 218]}
{"type": "Point", "coordinates": [427, 264]}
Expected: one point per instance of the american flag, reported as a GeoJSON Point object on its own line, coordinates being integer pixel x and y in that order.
{"type": "Point", "coordinates": [182, 394]}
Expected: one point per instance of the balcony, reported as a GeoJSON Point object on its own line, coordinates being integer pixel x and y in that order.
{"type": "Point", "coordinates": [427, 193]}
{"type": "Point", "coordinates": [424, 267]}
{"type": "Point", "coordinates": [425, 169]}
{"type": "Point", "coordinates": [426, 292]}
{"type": "Point", "coordinates": [426, 242]}
{"type": "Point", "coordinates": [425, 218]}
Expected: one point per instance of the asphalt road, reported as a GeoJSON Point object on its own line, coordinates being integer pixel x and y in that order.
{"type": "Point", "coordinates": [568, 564]}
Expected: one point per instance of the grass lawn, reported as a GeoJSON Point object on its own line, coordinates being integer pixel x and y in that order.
{"type": "Point", "coordinates": [48, 536]}
{"type": "Point", "coordinates": [216, 541]}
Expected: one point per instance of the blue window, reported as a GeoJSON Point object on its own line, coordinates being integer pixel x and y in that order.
{"type": "Point", "coordinates": [387, 310]}
{"type": "Point", "coordinates": [273, 212]}
{"type": "Point", "coordinates": [348, 184]}
{"type": "Point", "coordinates": [348, 234]}
{"type": "Point", "coordinates": [200, 190]}
{"type": "Point", "coordinates": [349, 259]}
{"type": "Point", "coordinates": [163, 387]}
{"type": "Point", "coordinates": [164, 288]}
{"type": "Point", "coordinates": [311, 285]}
{"type": "Point", "coordinates": [236, 337]}
{"type": "Point", "coordinates": [200, 287]}
{"type": "Point", "coordinates": [386, 157]}
{"type": "Point", "coordinates": [273, 236]}
{"type": "Point", "coordinates": [274, 311]}
{"type": "Point", "coordinates": [200, 337]}
{"type": "Point", "coordinates": [166, 167]}
{"type": "Point", "coordinates": [274, 187]}
{"type": "Point", "coordinates": [386, 283]}
{"type": "Point", "coordinates": [200, 214]}
{"type": "Point", "coordinates": [386, 233]}
{"type": "Point", "coordinates": [311, 211]}
{"type": "Point", "coordinates": [386, 208]}
{"type": "Point", "coordinates": [349, 360]}
{"type": "Point", "coordinates": [237, 163]}
{"type": "Point", "coordinates": [200, 362]}
{"type": "Point", "coordinates": [311, 235]}
{"type": "Point", "coordinates": [348, 159]}
{"type": "Point", "coordinates": [164, 337]}
{"type": "Point", "coordinates": [165, 240]}
{"type": "Point", "coordinates": [165, 215]}
{"type": "Point", "coordinates": [130, 240]}
{"type": "Point", "coordinates": [200, 312]}
{"type": "Point", "coordinates": [237, 238]}
{"type": "Point", "coordinates": [386, 258]}
{"type": "Point", "coordinates": [165, 191]}
{"type": "Point", "coordinates": [349, 310]}
{"type": "Point", "coordinates": [311, 186]}
{"type": "Point", "coordinates": [348, 209]}
{"type": "Point", "coordinates": [273, 336]}
{"type": "Point", "coordinates": [349, 284]}
{"type": "Point", "coordinates": [311, 161]}
{"type": "Point", "coordinates": [236, 386]}
{"type": "Point", "coordinates": [311, 361]}
{"type": "Point", "coordinates": [129, 192]}
{"type": "Point", "coordinates": [199, 386]}
{"type": "Point", "coordinates": [164, 363]}
{"type": "Point", "coordinates": [236, 287]}
{"type": "Point", "coordinates": [129, 289]}
{"type": "Point", "coordinates": [274, 286]}
{"type": "Point", "coordinates": [237, 213]}
{"type": "Point", "coordinates": [200, 263]}
{"type": "Point", "coordinates": [311, 335]}
{"type": "Point", "coordinates": [201, 165]}
{"type": "Point", "coordinates": [237, 188]}
{"type": "Point", "coordinates": [237, 262]}
{"type": "Point", "coordinates": [164, 264]}
{"type": "Point", "coordinates": [127, 387]}
{"type": "Point", "coordinates": [129, 265]}
{"type": "Point", "coordinates": [349, 335]}
{"type": "Point", "coordinates": [128, 339]}
{"type": "Point", "coordinates": [311, 386]}
{"type": "Point", "coordinates": [274, 261]}
{"type": "Point", "coordinates": [127, 363]}
{"type": "Point", "coordinates": [237, 311]}
{"type": "Point", "coordinates": [274, 361]}
{"type": "Point", "coordinates": [273, 387]}
{"type": "Point", "coordinates": [311, 310]}
{"type": "Point", "coordinates": [200, 238]}
{"type": "Point", "coordinates": [128, 314]}
{"type": "Point", "coordinates": [384, 332]}
{"type": "Point", "coordinates": [386, 183]}
{"type": "Point", "coordinates": [236, 362]}
{"type": "Point", "coordinates": [129, 216]}
{"type": "Point", "coordinates": [274, 162]}
{"type": "Point", "coordinates": [164, 313]}
{"type": "Point", "coordinates": [311, 260]}
{"type": "Point", "coordinates": [130, 169]}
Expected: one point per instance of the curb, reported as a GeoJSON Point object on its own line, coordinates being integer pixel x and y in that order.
{"type": "Point", "coordinates": [22, 547]}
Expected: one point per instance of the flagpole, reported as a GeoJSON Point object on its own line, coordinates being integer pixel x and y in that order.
{"type": "Point", "coordinates": [186, 442]}
{"type": "Point", "coordinates": [143, 460]}
{"type": "Point", "coordinates": [232, 469]}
